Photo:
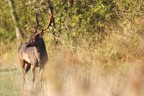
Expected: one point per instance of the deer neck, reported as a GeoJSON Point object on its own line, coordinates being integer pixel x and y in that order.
{"type": "Point", "coordinates": [39, 53]}
{"type": "Point", "coordinates": [40, 49]}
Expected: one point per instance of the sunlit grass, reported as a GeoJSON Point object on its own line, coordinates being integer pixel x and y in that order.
{"type": "Point", "coordinates": [113, 67]}
{"type": "Point", "coordinates": [10, 83]}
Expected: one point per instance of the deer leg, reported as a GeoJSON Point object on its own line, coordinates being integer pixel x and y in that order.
{"type": "Point", "coordinates": [33, 72]}
{"type": "Point", "coordinates": [24, 73]}
{"type": "Point", "coordinates": [28, 66]}
{"type": "Point", "coordinates": [41, 72]}
{"type": "Point", "coordinates": [23, 70]}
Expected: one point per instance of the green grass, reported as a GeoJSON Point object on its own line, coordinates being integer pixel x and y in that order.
{"type": "Point", "coordinates": [9, 82]}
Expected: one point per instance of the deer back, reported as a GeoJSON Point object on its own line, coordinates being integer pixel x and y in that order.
{"type": "Point", "coordinates": [33, 51]}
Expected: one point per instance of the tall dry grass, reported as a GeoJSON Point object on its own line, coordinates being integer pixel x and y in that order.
{"type": "Point", "coordinates": [113, 67]}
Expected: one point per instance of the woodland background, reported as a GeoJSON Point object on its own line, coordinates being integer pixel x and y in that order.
{"type": "Point", "coordinates": [95, 49]}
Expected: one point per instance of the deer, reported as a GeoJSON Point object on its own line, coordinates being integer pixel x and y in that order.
{"type": "Point", "coordinates": [32, 53]}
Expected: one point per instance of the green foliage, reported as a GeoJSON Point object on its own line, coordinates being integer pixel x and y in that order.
{"type": "Point", "coordinates": [83, 19]}
{"type": "Point", "coordinates": [99, 34]}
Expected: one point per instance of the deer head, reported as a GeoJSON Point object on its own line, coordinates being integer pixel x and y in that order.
{"type": "Point", "coordinates": [36, 37]}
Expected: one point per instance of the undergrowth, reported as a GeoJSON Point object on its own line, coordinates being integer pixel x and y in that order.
{"type": "Point", "coordinates": [112, 66]}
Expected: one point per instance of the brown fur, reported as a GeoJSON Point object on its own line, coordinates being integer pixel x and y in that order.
{"type": "Point", "coordinates": [33, 54]}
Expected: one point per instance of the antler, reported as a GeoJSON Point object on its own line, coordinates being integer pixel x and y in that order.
{"type": "Point", "coordinates": [37, 21]}
{"type": "Point", "coordinates": [50, 23]}
{"type": "Point", "coordinates": [50, 19]}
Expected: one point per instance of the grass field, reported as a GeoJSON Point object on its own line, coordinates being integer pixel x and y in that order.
{"type": "Point", "coordinates": [70, 73]}
{"type": "Point", "coordinates": [113, 67]}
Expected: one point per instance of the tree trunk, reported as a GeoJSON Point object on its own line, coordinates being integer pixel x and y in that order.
{"type": "Point", "coordinates": [15, 19]}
